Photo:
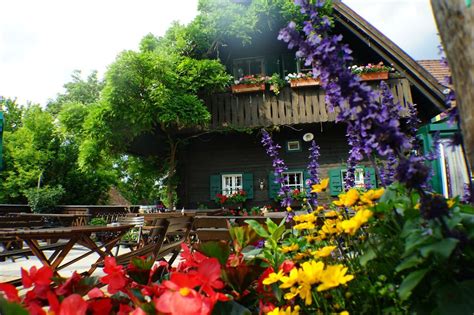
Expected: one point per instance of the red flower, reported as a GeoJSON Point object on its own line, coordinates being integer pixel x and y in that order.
{"type": "Point", "coordinates": [100, 306]}
{"type": "Point", "coordinates": [260, 287]}
{"type": "Point", "coordinates": [73, 305]}
{"type": "Point", "coordinates": [209, 273]}
{"type": "Point", "coordinates": [39, 277]}
{"type": "Point", "coordinates": [189, 259]}
{"type": "Point", "coordinates": [180, 296]}
{"type": "Point", "coordinates": [95, 293]}
{"type": "Point", "coordinates": [286, 266]}
{"type": "Point", "coordinates": [67, 287]}
{"type": "Point", "coordinates": [115, 277]}
{"type": "Point", "coordinates": [296, 192]}
{"type": "Point", "coordinates": [125, 309]}
{"type": "Point", "coordinates": [10, 292]}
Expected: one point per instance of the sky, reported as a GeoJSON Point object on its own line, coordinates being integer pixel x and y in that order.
{"type": "Point", "coordinates": [43, 42]}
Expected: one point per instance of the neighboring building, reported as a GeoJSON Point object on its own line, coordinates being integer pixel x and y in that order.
{"type": "Point", "coordinates": [231, 157]}
{"type": "Point", "coordinates": [450, 171]}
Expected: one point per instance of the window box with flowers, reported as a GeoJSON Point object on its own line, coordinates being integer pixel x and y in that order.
{"type": "Point", "coordinates": [249, 84]}
{"type": "Point", "coordinates": [232, 201]}
{"type": "Point", "coordinates": [372, 72]}
{"type": "Point", "coordinates": [302, 79]}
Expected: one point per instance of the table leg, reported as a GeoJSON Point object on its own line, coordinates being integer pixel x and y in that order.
{"type": "Point", "coordinates": [51, 263]}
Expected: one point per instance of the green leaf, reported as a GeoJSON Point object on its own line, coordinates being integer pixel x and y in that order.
{"type": "Point", "coordinates": [410, 282]}
{"type": "Point", "coordinates": [271, 225]}
{"type": "Point", "coordinates": [258, 228]}
{"type": "Point", "coordinates": [409, 262]}
{"type": "Point", "coordinates": [443, 248]}
{"type": "Point", "coordinates": [367, 256]}
{"type": "Point", "coordinates": [456, 298]}
{"type": "Point", "coordinates": [216, 249]}
{"type": "Point", "coordinates": [278, 233]}
{"type": "Point", "coordinates": [10, 308]}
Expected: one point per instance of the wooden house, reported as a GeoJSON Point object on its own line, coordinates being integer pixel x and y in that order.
{"type": "Point", "coordinates": [230, 156]}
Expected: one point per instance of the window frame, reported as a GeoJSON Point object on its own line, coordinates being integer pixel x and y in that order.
{"type": "Point", "coordinates": [234, 188]}
{"type": "Point", "coordinates": [248, 61]}
{"type": "Point", "coordinates": [299, 149]}
{"type": "Point", "coordinates": [361, 183]}
{"type": "Point", "coordinates": [299, 186]}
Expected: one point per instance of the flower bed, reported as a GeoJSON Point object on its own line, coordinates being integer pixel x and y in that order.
{"type": "Point", "coordinates": [247, 88]}
{"type": "Point", "coordinates": [371, 72]}
{"type": "Point", "coordinates": [302, 79]}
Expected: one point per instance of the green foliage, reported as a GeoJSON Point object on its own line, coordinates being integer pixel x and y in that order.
{"type": "Point", "coordinates": [44, 199]}
{"type": "Point", "coordinates": [98, 221]}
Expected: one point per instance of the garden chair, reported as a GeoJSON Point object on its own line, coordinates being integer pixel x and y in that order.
{"type": "Point", "coordinates": [133, 239]}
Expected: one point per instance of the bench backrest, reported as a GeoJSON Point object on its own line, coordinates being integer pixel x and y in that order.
{"type": "Point", "coordinates": [10, 222]}
{"type": "Point", "coordinates": [177, 233]}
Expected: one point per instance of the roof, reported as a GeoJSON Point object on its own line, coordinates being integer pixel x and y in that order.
{"type": "Point", "coordinates": [421, 78]}
{"type": "Point", "coordinates": [436, 69]}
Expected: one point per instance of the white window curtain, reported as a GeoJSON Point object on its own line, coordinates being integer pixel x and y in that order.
{"type": "Point", "coordinates": [453, 169]}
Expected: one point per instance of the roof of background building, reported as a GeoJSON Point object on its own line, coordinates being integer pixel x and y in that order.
{"type": "Point", "coordinates": [436, 69]}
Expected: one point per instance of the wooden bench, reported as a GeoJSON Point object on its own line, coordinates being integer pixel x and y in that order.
{"type": "Point", "coordinates": [11, 246]}
{"type": "Point", "coordinates": [216, 228]}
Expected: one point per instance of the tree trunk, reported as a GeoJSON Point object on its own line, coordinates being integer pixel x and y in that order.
{"type": "Point", "coordinates": [456, 26]}
{"type": "Point", "coordinates": [171, 170]}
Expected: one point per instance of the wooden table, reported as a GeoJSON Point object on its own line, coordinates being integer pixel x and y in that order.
{"type": "Point", "coordinates": [65, 219]}
{"type": "Point", "coordinates": [75, 235]}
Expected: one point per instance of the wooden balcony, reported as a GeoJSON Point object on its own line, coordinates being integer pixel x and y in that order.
{"type": "Point", "coordinates": [292, 106]}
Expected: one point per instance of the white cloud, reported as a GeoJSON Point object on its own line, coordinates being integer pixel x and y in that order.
{"type": "Point", "coordinates": [42, 42]}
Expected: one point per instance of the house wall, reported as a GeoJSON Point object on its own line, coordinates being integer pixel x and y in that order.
{"type": "Point", "coordinates": [242, 152]}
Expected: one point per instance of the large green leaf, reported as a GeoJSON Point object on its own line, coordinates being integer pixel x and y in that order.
{"type": "Point", "coordinates": [443, 248]}
{"type": "Point", "coordinates": [367, 256]}
{"type": "Point", "coordinates": [410, 282]}
{"type": "Point", "coordinates": [216, 249]}
{"type": "Point", "coordinates": [258, 228]}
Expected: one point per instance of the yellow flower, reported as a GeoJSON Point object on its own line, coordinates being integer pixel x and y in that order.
{"type": "Point", "coordinates": [321, 186]}
{"type": "Point", "coordinates": [450, 202]}
{"type": "Point", "coordinates": [288, 209]}
{"type": "Point", "coordinates": [369, 196]}
{"type": "Point", "coordinates": [286, 311]}
{"type": "Point", "coordinates": [310, 217]}
{"type": "Point", "coordinates": [304, 226]}
{"type": "Point", "coordinates": [290, 280]}
{"type": "Point", "coordinates": [324, 252]}
{"type": "Point", "coordinates": [344, 313]}
{"type": "Point", "coordinates": [348, 199]}
{"type": "Point", "coordinates": [333, 276]}
{"type": "Point", "coordinates": [330, 214]}
{"type": "Point", "coordinates": [273, 277]}
{"type": "Point", "coordinates": [311, 271]}
{"type": "Point", "coordinates": [291, 248]}
{"type": "Point", "coordinates": [352, 225]}
{"type": "Point", "coordinates": [417, 206]}
{"type": "Point", "coordinates": [299, 256]}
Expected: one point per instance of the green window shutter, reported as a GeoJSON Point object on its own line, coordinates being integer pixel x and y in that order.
{"type": "Point", "coordinates": [273, 187]}
{"type": "Point", "coordinates": [373, 180]}
{"type": "Point", "coordinates": [248, 184]}
{"type": "Point", "coordinates": [215, 186]}
{"type": "Point", "coordinates": [335, 181]}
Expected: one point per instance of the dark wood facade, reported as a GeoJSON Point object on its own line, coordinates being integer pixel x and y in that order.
{"type": "Point", "coordinates": [221, 153]}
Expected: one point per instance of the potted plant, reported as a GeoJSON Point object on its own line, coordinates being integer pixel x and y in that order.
{"type": "Point", "coordinates": [232, 201]}
{"type": "Point", "coordinates": [249, 83]}
{"type": "Point", "coordinates": [372, 72]}
{"type": "Point", "coordinates": [276, 83]}
{"type": "Point", "coordinates": [302, 79]}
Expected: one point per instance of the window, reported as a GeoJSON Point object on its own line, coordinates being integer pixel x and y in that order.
{"type": "Point", "coordinates": [231, 183]}
{"type": "Point", "coordinates": [249, 66]}
{"type": "Point", "coordinates": [358, 177]}
{"type": "Point", "coordinates": [337, 179]}
{"type": "Point", "coordinates": [294, 180]}
{"type": "Point", "coordinates": [454, 175]}
{"type": "Point", "coordinates": [293, 146]}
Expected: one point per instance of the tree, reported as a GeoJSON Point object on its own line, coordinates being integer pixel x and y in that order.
{"type": "Point", "coordinates": [455, 21]}
{"type": "Point", "coordinates": [151, 92]}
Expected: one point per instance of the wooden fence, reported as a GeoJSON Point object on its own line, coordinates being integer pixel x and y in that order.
{"type": "Point", "coordinates": [291, 106]}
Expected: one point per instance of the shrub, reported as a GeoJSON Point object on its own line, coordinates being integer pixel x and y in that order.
{"type": "Point", "coordinates": [44, 199]}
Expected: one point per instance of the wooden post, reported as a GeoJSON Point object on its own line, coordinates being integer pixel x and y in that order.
{"type": "Point", "coordinates": [456, 26]}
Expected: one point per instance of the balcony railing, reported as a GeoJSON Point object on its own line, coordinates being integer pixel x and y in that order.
{"type": "Point", "coordinates": [291, 106]}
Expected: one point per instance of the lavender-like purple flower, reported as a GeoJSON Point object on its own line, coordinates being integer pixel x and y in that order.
{"type": "Point", "coordinates": [373, 126]}
{"type": "Point", "coordinates": [278, 168]}
{"type": "Point", "coordinates": [468, 194]}
{"type": "Point", "coordinates": [313, 170]}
